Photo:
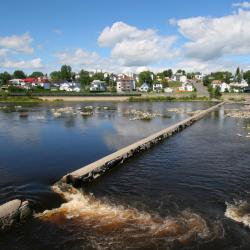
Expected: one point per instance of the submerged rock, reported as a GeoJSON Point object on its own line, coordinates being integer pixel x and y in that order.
{"type": "Point", "coordinates": [177, 110]}
{"type": "Point", "coordinates": [238, 113]}
{"type": "Point", "coordinates": [141, 115]}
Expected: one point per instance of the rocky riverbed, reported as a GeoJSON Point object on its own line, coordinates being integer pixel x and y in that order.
{"type": "Point", "coordinates": [241, 113]}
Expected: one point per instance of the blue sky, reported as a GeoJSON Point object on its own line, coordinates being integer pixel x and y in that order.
{"type": "Point", "coordinates": [124, 35]}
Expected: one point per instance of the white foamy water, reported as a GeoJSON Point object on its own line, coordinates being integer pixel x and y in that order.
{"type": "Point", "coordinates": [239, 211]}
{"type": "Point", "coordinates": [105, 218]}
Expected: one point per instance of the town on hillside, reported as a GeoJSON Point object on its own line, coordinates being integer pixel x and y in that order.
{"type": "Point", "coordinates": [167, 81]}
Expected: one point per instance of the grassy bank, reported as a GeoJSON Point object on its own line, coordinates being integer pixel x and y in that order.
{"type": "Point", "coordinates": [168, 99]}
{"type": "Point", "coordinates": [19, 99]}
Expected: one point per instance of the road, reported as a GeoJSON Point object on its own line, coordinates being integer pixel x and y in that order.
{"type": "Point", "coordinates": [201, 89]}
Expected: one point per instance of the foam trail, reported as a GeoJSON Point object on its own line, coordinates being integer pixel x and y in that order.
{"type": "Point", "coordinates": [103, 217]}
{"type": "Point", "coordinates": [239, 211]}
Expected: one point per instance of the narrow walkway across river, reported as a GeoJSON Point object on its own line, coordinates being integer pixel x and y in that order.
{"type": "Point", "coordinates": [97, 168]}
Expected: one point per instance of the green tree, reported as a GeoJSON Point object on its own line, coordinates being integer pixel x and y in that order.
{"type": "Point", "coordinates": [66, 73]}
{"type": "Point", "coordinates": [168, 73]}
{"type": "Point", "coordinates": [181, 71]}
{"type": "Point", "coordinates": [19, 74]}
{"type": "Point", "coordinates": [206, 81]}
{"type": "Point", "coordinates": [238, 75]}
{"type": "Point", "coordinates": [4, 77]}
{"type": "Point", "coordinates": [56, 76]}
{"type": "Point", "coordinates": [146, 76]}
{"type": "Point", "coordinates": [37, 74]}
{"type": "Point", "coordinates": [217, 93]}
{"type": "Point", "coordinates": [246, 76]}
{"type": "Point", "coordinates": [84, 78]}
{"type": "Point", "coordinates": [98, 76]}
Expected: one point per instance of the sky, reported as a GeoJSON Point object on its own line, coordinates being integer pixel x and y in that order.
{"type": "Point", "coordinates": [124, 36]}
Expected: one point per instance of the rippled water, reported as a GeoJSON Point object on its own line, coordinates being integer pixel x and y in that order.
{"type": "Point", "coordinates": [189, 192]}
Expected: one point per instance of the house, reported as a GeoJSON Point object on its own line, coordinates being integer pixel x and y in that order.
{"type": "Point", "coordinates": [241, 84]}
{"type": "Point", "coordinates": [168, 90]}
{"type": "Point", "coordinates": [98, 86]}
{"type": "Point", "coordinates": [157, 87]}
{"type": "Point", "coordinates": [125, 83]}
{"type": "Point", "coordinates": [17, 82]}
{"type": "Point", "coordinates": [70, 87]}
{"type": "Point", "coordinates": [144, 87]}
{"type": "Point", "coordinates": [186, 87]}
{"type": "Point", "coordinates": [222, 85]}
{"type": "Point", "coordinates": [179, 77]}
{"type": "Point", "coordinates": [45, 85]}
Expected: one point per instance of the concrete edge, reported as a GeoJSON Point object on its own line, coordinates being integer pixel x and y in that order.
{"type": "Point", "coordinates": [99, 167]}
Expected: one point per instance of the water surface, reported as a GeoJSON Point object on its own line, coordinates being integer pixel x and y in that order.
{"type": "Point", "coordinates": [173, 196]}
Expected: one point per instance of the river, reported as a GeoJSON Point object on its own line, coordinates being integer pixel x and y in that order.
{"type": "Point", "coordinates": [189, 192]}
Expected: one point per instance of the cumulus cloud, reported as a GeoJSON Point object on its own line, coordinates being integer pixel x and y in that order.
{"type": "Point", "coordinates": [23, 64]}
{"type": "Point", "coordinates": [244, 5]}
{"type": "Point", "coordinates": [18, 44]}
{"type": "Point", "coordinates": [193, 65]}
{"type": "Point", "coordinates": [131, 46]}
{"type": "Point", "coordinates": [78, 57]}
{"type": "Point", "coordinates": [211, 38]}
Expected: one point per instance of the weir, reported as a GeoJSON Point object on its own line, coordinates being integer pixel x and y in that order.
{"type": "Point", "coordinates": [99, 167]}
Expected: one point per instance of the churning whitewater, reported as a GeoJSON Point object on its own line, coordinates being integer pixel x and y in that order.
{"type": "Point", "coordinates": [118, 222]}
{"type": "Point", "coordinates": [239, 211]}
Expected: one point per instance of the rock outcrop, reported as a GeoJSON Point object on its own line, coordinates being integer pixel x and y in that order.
{"type": "Point", "coordinates": [13, 212]}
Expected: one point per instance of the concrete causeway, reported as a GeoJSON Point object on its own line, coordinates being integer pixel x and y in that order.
{"type": "Point", "coordinates": [99, 167]}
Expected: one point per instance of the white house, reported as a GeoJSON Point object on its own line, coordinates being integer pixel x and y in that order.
{"type": "Point", "coordinates": [144, 87]}
{"type": "Point", "coordinates": [70, 87]}
{"type": "Point", "coordinates": [187, 87]}
{"type": "Point", "coordinates": [223, 86]}
{"type": "Point", "coordinates": [17, 82]}
{"type": "Point", "coordinates": [97, 86]}
{"type": "Point", "coordinates": [241, 84]}
{"type": "Point", "coordinates": [179, 77]}
{"type": "Point", "coordinates": [157, 87]}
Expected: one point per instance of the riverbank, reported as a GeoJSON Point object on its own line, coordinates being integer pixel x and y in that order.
{"type": "Point", "coordinates": [85, 98]}
{"type": "Point", "coordinates": [230, 98]}
{"type": "Point", "coordinates": [20, 99]}
{"type": "Point", "coordinates": [144, 98]}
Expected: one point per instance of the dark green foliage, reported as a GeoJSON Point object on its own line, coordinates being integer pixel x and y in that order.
{"type": "Point", "coordinates": [19, 74]}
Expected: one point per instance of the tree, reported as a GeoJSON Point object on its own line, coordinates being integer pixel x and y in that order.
{"type": "Point", "coordinates": [217, 92]}
{"type": "Point", "coordinates": [4, 77]}
{"type": "Point", "coordinates": [206, 81]}
{"type": "Point", "coordinates": [19, 74]}
{"type": "Point", "coordinates": [246, 76]}
{"type": "Point", "coordinates": [37, 74]}
{"type": "Point", "coordinates": [238, 75]}
{"type": "Point", "coordinates": [66, 73]}
{"type": "Point", "coordinates": [146, 76]}
{"type": "Point", "coordinates": [168, 73]}
{"type": "Point", "coordinates": [181, 71]}
{"type": "Point", "coordinates": [84, 78]}
{"type": "Point", "coordinates": [56, 76]}
{"type": "Point", "coordinates": [98, 76]}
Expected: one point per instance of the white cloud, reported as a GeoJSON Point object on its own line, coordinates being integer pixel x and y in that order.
{"type": "Point", "coordinates": [22, 64]}
{"type": "Point", "coordinates": [135, 47]}
{"type": "Point", "coordinates": [244, 5]}
{"type": "Point", "coordinates": [78, 57]}
{"type": "Point", "coordinates": [17, 44]}
{"type": "Point", "coordinates": [211, 38]}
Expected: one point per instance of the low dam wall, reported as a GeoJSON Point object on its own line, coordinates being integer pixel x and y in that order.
{"type": "Point", "coordinates": [99, 167]}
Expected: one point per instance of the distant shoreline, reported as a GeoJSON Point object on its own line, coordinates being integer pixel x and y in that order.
{"type": "Point", "coordinates": [85, 98]}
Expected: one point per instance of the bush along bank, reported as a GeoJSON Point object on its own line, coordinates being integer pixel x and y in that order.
{"type": "Point", "coordinates": [167, 98]}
